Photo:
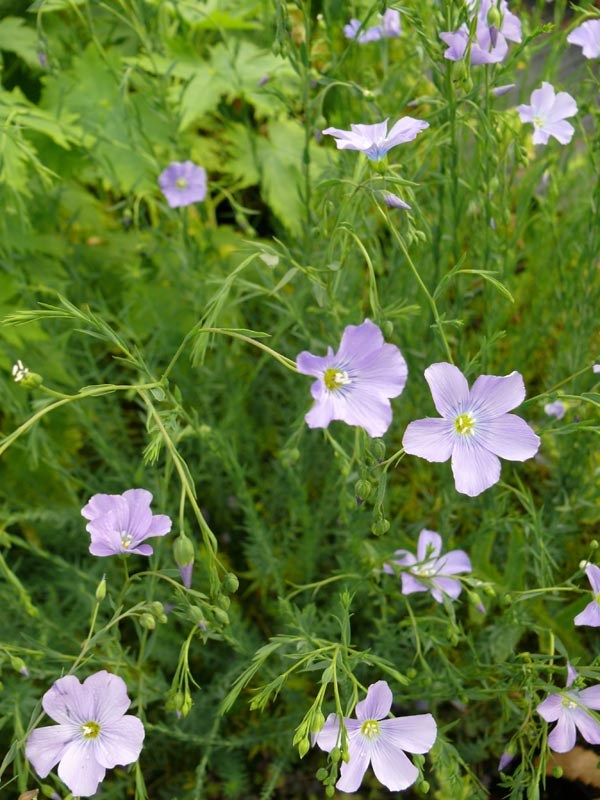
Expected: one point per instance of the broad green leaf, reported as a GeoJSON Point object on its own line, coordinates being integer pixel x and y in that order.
{"type": "Point", "coordinates": [17, 37]}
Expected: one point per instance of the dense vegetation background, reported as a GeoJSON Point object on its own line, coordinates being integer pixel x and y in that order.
{"type": "Point", "coordinates": [101, 282]}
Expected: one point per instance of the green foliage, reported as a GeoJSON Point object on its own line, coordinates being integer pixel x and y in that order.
{"type": "Point", "coordinates": [164, 341]}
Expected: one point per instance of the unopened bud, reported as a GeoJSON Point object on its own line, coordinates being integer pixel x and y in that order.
{"type": "Point", "coordinates": [335, 754]}
{"type": "Point", "coordinates": [32, 380]}
{"type": "Point", "coordinates": [378, 448]}
{"type": "Point", "coordinates": [557, 772]}
{"type": "Point", "coordinates": [594, 544]}
{"type": "Point", "coordinates": [221, 616]}
{"type": "Point", "coordinates": [101, 590]}
{"type": "Point", "coordinates": [317, 722]}
{"type": "Point", "coordinates": [183, 550]}
{"type": "Point", "coordinates": [48, 791]}
{"type": "Point", "coordinates": [424, 787]}
{"type": "Point", "coordinates": [329, 791]}
{"type": "Point", "coordinates": [147, 621]}
{"type": "Point", "coordinates": [387, 328]}
{"type": "Point", "coordinates": [19, 666]}
{"type": "Point", "coordinates": [321, 774]}
{"type": "Point", "coordinates": [156, 608]}
{"type": "Point", "coordinates": [303, 747]}
{"type": "Point", "coordinates": [230, 583]}
{"type": "Point", "coordinates": [196, 614]}
{"type": "Point", "coordinates": [494, 18]}
{"type": "Point", "coordinates": [223, 601]}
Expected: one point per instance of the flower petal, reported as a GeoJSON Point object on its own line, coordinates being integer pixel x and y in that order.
{"type": "Point", "coordinates": [509, 437]}
{"type": "Point", "coordinates": [376, 704]}
{"type": "Point", "coordinates": [119, 742]}
{"type": "Point", "coordinates": [359, 341]}
{"type": "Point", "coordinates": [405, 130]}
{"type": "Point", "coordinates": [593, 573]}
{"type": "Point", "coordinates": [108, 696]}
{"type": "Point", "coordinates": [562, 131]}
{"type": "Point", "coordinates": [564, 106]}
{"type": "Point", "coordinates": [415, 734]}
{"type": "Point", "coordinates": [99, 505]}
{"type": "Point", "coordinates": [352, 771]}
{"type": "Point", "coordinates": [307, 364]}
{"type": "Point", "coordinates": [328, 737]}
{"type": "Point", "coordinates": [410, 584]}
{"type": "Point", "coordinates": [445, 586]}
{"type": "Point", "coordinates": [381, 371]}
{"type": "Point", "coordinates": [46, 746]}
{"type": "Point", "coordinates": [160, 525]}
{"type": "Point", "coordinates": [431, 438]}
{"type": "Point", "coordinates": [493, 395]}
{"type": "Point", "coordinates": [79, 769]}
{"type": "Point", "coordinates": [589, 616]}
{"type": "Point", "coordinates": [429, 545]}
{"type": "Point", "coordinates": [587, 725]}
{"type": "Point", "coordinates": [356, 405]}
{"type": "Point", "coordinates": [551, 708]}
{"type": "Point", "coordinates": [475, 469]}
{"type": "Point", "coordinates": [140, 517]}
{"type": "Point", "coordinates": [67, 702]}
{"type": "Point", "coordinates": [391, 766]}
{"type": "Point", "coordinates": [323, 412]}
{"type": "Point", "coordinates": [590, 697]}
{"type": "Point", "coordinates": [449, 389]}
{"type": "Point", "coordinates": [455, 561]}
{"type": "Point", "coordinates": [563, 737]}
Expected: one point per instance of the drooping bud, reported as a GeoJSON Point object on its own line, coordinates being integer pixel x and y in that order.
{"type": "Point", "coordinates": [147, 621]}
{"type": "Point", "coordinates": [19, 666]}
{"type": "Point", "coordinates": [380, 527]}
{"type": "Point", "coordinates": [494, 18]}
{"type": "Point", "coordinates": [230, 583]}
{"type": "Point", "coordinates": [183, 551]}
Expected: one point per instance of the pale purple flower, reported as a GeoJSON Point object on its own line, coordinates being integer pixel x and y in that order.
{"type": "Point", "coordinates": [475, 428]}
{"type": "Point", "coordinates": [183, 183]}
{"type": "Point", "coordinates": [120, 523]}
{"type": "Point", "coordinates": [548, 112]}
{"type": "Point", "coordinates": [94, 733]}
{"type": "Point", "coordinates": [389, 28]}
{"type": "Point", "coordinates": [596, 368]}
{"type": "Point", "coordinates": [490, 44]}
{"type": "Point", "coordinates": [393, 201]}
{"type": "Point", "coordinates": [587, 36]}
{"type": "Point", "coordinates": [555, 409]}
{"type": "Point", "coordinates": [354, 385]}
{"type": "Point", "coordinates": [374, 140]}
{"type": "Point", "coordinates": [591, 613]}
{"type": "Point", "coordinates": [569, 711]}
{"type": "Point", "coordinates": [381, 742]}
{"type": "Point", "coordinates": [429, 570]}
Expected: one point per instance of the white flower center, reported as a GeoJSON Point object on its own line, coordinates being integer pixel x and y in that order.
{"type": "Point", "coordinates": [370, 728]}
{"type": "Point", "coordinates": [424, 570]}
{"type": "Point", "coordinates": [181, 183]}
{"type": "Point", "coordinates": [126, 540]}
{"type": "Point", "coordinates": [464, 424]}
{"type": "Point", "coordinates": [334, 378]}
{"type": "Point", "coordinates": [538, 121]}
{"type": "Point", "coordinates": [90, 730]}
{"type": "Point", "coordinates": [568, 703]}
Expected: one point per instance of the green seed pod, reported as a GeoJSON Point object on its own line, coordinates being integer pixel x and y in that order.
{"type": "Point", "coordinates": [494, 18]}
{"type": "Point", "coordinates": [223, 601]}
{"type": "Point", "coordinates": [321, 774]}
{"type": "Point", "coordinates": [335, 754]}
{"type": "Point", "coordinates": [101, 590]}
{"type": "Point", "coordinates": [387, 328]}
{"type": "Point", "coordinates": [156, 608]}
{"type": "Point", "coordinates": [221, 616]}
{"type": "Point", "coordinates": [32, 380]}
{"type": "Point", "coordinates": [380, 527]}
{"type": "Point", "coordinates": [557, 772]}
{"type": "Point", "coordinates": [196, 614]}
{"type": "Point", "coordinates": [230, 583]}
{"type": "Point", "coordinates": [362, 489]}
{"type": "Point", "coordinates": [424, 787]}
{"type": "Point", "coordinates": [378, 448]}
{"type": "Point", "coordinates": [329, 791]}
{"type": "Point", "coordinates": [147, 621]}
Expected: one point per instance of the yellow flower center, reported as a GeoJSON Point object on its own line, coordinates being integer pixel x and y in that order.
{"type": "Point", "coordinates": [181, 183]}
{"type": "Point", "coordinates": [568, 703]}
{"type": "Point", "coordinates": [464, 424]}
{"type": "Point", "coordinates": [370, 728]}
{"type": "Point", "coordinates": [90, 730]}
{"type": "Point", "coordinates": [538, 122]}
{"type": "Point", "coordinates": [598, 598]}
{"type": "Point", "coordinates": [334, 378]}
{"type": "Point", "coordinates": [126, 540]}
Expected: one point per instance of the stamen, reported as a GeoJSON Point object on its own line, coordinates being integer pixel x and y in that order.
{"type": "Point", "coordinates": [370, 728]}
{"type": "Point", "coordinates": [464, 424]}
{"type": "Point", "coordinates": [126, 540]}
{"type": "Point", "coordinates": [90, 730]}
{"type": "Point", "coordinates": [181, 183]}
{"type": "Point", "coordinates": [334, 378]}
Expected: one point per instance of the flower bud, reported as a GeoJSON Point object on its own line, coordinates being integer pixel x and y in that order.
{"type": "Point", "coordinates": [221, 616]}
{"type": "Point", "coordinates": [156, 608]}
{"type": "Point", "coordinates": [101, 590]}
{"type": "Point", "coordinates": [329, 791]}
{"type": "Point", "coordinates": [387, 328]}
{"type": "Point", "coordinates": [230, 583]}
{"type": "Point", "coordinates": [196, 614]}
{"type": "Point", "coordinates": [321, 774]}
{"type": "Point", "coordinates": [335, 754]}
{"type": "Point", "coordinates": [183, 550]}
{"type": "Point", "coordinates": [19, 666]}
{"type": "Point", "coordinates": [494, 18]}
{"type": "Point", "coordinates": [32, 380]}
{"type": "Point", "coordinates": [594, 544]}
{"type": "Point", "coordinates": [223, 601]}
{"type": "Point", "coordinates": [48, 791]}
{"type": "Point", "coordinates": [147, 621]}
{"type": "Point", "coordinates": [378, 448]}
{"type": "Point", "coordinates": [424, 787]}
{"type": "Point", "coordinates": [317, 722]}
{"type": "Point", "coordinates": [304, 747]}
{"type": "Point", "coordinates": [583, 564]}
{"type": "Point", "coordinates": [557, 772]}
